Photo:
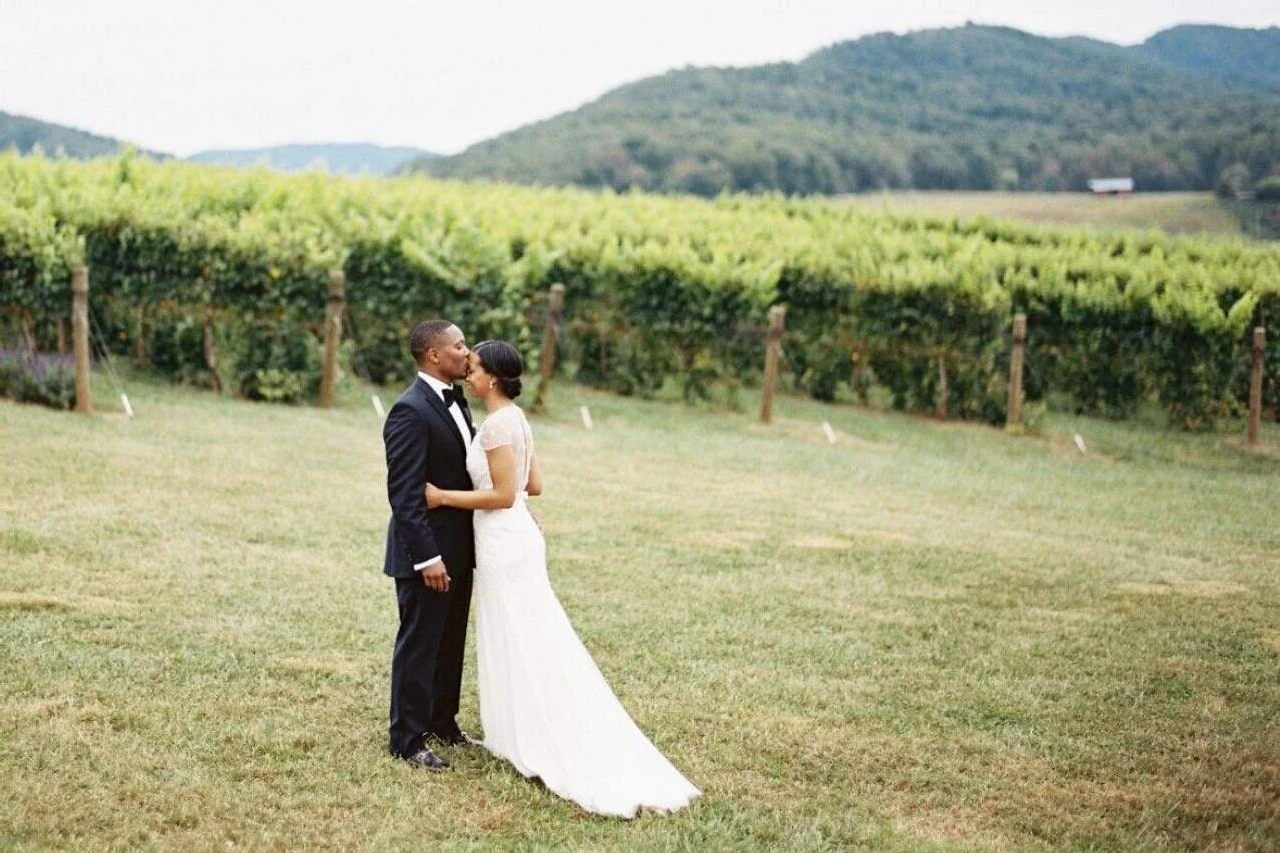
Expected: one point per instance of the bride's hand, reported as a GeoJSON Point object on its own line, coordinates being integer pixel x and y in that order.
{"type": "Point", "coordinates": [435, 497]}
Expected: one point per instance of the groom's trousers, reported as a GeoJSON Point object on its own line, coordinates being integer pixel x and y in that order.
{"type": "Point", "coordinates": [426, 667]}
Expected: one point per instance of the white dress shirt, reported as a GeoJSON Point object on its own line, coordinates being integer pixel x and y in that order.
{"type": "Point", "coordinates": [456, 412]}
{"type": "Point", "coordinates": [454, 409]}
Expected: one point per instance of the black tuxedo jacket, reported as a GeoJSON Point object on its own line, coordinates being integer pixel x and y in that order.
{"type": "Point", "coordinates": [423, 445]}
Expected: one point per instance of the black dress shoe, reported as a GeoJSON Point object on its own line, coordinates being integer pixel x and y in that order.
{"type": "Point", "coordinates": [425, 759]}
{"type": "Point", "coordinates": [457, 737]}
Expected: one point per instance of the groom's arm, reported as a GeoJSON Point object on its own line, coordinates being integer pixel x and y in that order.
{"type": "Point", "coordinates": [406, 447]}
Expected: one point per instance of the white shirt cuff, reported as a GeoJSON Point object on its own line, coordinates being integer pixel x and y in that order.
{"type": "Point", "coordinates": [417, 567]}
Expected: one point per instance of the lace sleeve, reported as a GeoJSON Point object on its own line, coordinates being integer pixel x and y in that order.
{"type": "Point", "coordinates": [496, 432]}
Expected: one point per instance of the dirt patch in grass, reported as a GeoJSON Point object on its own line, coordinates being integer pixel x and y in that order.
{"type": "Point", "coordinates": [330, 665]}
{"type": "Point", "coordinates": [1061, 615]}
{"type": "Point", "coordinates": [891, 617]}
{"type": "Point", "coordinates": [36, 708]}
{"type": "Point", "coordinates": [741, 539]}
{"type": "Point", "coordinates": [885, 535]}
{"type": "Point", "coordinates": [949, 828]}
{"type": "Point", "coordinates": [1182, 665]}
{"type": "Point", "coordinates": [38, 601]}
{"type": "Point", "coordinates": [1228, 794]}
{"type": "Point", "coordinates": [1194, 589]}
{"type": "Point", "coordinates": [32, 601]}
{"type": "Point", "coordinates": [822, 543]}
{"type": "Point", "coordinates": [932, 592]}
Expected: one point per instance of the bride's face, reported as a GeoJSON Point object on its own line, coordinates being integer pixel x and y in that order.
{"type": "Point", "coordinates": [479, 382]}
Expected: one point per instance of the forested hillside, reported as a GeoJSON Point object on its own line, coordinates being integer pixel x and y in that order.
{"type": "Point", "coordinates": [969, 108]}
{"type": "Point", "coordinates": [25, 134]}
{"type": "Point", "coordinates": [1251, 57]}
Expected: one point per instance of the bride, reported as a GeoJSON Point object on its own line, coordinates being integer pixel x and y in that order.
{"type": "Point", "coordinates": [544, 705]}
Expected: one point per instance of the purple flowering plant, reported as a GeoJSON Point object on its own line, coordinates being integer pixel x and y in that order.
{"type": "Point", "coordinates": [45, 378]}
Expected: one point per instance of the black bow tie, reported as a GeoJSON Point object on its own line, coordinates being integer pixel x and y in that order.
{"type": "Point", "coordinates": [451, 396]}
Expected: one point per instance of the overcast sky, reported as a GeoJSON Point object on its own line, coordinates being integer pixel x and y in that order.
{"type": "Point", "coordinates": [181, 77]}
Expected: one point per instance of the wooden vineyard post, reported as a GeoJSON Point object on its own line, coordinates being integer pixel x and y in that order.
{"type": "Point", "coordinates": [944, 392]}
{"type": "Point", "coordinates": [207, 345]}
{"type": "Point", "coordinates": [772, 354]}
{"type": "Point", "coordinates": [550, 337]}
{"type": "Point", "coordinates": [80, 336]}
{"type": "Point", "coordinates": [332, 334]}
{"type": "Point", "coordinates": [28, 335]}
{"type": "Point", "coordinates": [1255, 384]}
{"type": "Point", "coordinates": [1014, 415]}
{"type": "Point", "coordinates": [140, 344]}
{"type": "Point", "coordinates": [62, 336]}
{"type": "Point", "coordinates": [210, 360]}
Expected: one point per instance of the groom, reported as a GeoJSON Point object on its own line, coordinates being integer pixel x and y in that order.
{"type": "Point", "coordinates": [430, 554]}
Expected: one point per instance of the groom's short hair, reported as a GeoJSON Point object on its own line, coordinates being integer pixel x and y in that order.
{"type": "Point", "coordinates": [426, 335]}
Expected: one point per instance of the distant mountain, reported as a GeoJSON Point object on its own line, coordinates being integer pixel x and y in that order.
{"type": "Point", "coordinates": [25, 134]}
{"type": "Point", "coordinates": [1249, 57]}
{"type": "Point", "coordinates": [346, 159]}
{"type": "Point", "coordinates": [974, 107]}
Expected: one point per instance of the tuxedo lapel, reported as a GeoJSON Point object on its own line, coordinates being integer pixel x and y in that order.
{"type": "Point", "coordinates": [433, 399]}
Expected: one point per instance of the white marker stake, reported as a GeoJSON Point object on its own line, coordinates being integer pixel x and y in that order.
{"type": "Point", "coordinates": [829, 432]}
{"type": "Point", "coordinates": [1079, 443]}
{"type": "Point", "coordinates": [377, 407]}
{"type": "Point", "coordinates": [128, 410]}
{"type": "Point", "coordinates": [586, 417]}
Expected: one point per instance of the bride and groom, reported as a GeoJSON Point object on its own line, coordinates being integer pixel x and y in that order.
{"type": "Point", "coordinates": [459, 517]}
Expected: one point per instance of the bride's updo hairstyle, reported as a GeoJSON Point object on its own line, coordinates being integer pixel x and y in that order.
{"type": "Point", "coordinates": [501, 361]}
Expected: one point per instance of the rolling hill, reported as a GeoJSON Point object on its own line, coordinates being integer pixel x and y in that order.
{"type": "Point", "coordinates": [339, 158]}
{"type": "Point", "coordinates": [1249, 57]}
{"type": "Point", "coordinates": [26, 134]}
{"type": "Point", "coordinates": [974, 107]}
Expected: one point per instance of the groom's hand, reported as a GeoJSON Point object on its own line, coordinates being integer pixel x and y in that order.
{"type": "Point", "coordinates": [436, 577]}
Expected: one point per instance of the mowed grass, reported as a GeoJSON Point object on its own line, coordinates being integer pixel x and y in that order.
{"type": "Point", "coordinates": [927, 636]}
{"type": "Point", "coordinates": [1174, 213]}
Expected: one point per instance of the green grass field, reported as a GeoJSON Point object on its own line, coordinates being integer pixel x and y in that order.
{"type": "Point", "coordinates": [1174, 213]}
{"type": "Point", "coordinates": [925, 637]}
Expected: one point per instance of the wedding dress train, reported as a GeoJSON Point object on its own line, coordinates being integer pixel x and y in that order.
{"type": "Point", "coordinates": [544, 704]}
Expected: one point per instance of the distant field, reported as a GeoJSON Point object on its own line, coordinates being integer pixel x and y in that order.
{"type": "Point", "coordinates": [1174, 213]}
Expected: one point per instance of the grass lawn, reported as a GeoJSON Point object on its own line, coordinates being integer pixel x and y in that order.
{"type": "Point", "coordinates": [927, 636]}
{"type": "Point", "coordinates": [1174, 213]}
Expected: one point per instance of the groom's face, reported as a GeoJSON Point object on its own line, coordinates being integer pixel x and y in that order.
{"type": "Point", "coordinates": [450, 354]}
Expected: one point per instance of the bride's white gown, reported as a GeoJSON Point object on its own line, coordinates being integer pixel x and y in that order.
{"type": "Point", "coordinates": [544, 705]}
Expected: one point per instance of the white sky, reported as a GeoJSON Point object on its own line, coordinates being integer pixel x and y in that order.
{"type": "Point", "coordinates": [180, 77]}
